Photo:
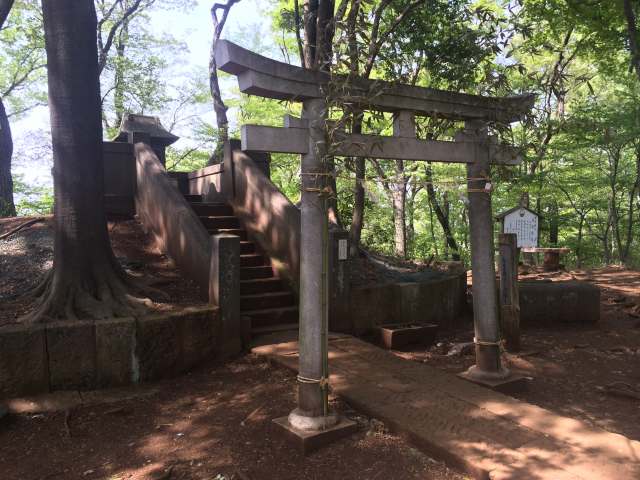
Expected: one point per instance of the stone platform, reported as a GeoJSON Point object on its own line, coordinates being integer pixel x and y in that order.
{"type": "Point", "coordinates": [485, 433]}
{"type": "Point", "coordinates": [85, 355]}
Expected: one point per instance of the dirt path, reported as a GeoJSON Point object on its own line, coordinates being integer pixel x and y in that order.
{"type": "Point", "coordinates": [212, 424]}
{"type": "Point", "coordinates": [488, 434]}
{"type": "Point", "coordinates": [570, 367]}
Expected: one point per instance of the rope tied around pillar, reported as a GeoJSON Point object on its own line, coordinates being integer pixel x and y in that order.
{"type": "Point", "coordinates": [323, 382]}
{"type": "Point", "coordinates": [488, 186]}
{"type": "Point", "coordinates": [485, 343]}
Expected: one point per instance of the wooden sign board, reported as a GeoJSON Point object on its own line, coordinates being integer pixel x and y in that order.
{"type": "Point", "coordinates": [522, 222]}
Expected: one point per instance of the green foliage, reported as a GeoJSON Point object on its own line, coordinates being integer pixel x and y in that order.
{"type": "Point", "coordinates": [32, 200]}
{"type": "Point", "coordinates": [22, 59]}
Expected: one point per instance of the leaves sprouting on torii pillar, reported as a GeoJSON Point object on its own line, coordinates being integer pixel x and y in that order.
{"type": "Point", "coordinates": [309, 136]}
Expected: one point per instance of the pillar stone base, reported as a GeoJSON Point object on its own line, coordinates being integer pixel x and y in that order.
{"type": "Point", "coordinates": [330, 429]}
{"type": "Point", "coordinates": [502, 381]}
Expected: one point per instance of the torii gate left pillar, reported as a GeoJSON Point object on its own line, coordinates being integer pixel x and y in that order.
{"type": "Point", "coordinates": [312, 412]}
{"type": "Point", "coordinates": [311, 422]}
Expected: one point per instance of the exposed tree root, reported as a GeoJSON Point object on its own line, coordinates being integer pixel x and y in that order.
{"type": "Point", "coordinates": [20, 227]}
{"type": "Point", "coordinates": [108, 293]}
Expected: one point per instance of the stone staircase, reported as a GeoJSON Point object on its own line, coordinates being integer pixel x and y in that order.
{"type": "Point", "coordinates": [266, 299]}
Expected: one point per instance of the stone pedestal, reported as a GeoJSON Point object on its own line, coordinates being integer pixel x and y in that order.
{"type": "Point", "coordinates": [503, 382]}
{"type": "Point", "coordinates": [307, 441]}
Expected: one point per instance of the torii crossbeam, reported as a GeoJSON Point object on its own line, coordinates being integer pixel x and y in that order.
{"type": "Point", "coordinates": [307, 136]}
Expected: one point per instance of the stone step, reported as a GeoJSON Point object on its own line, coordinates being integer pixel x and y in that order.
{"type": "Point", "coordinates": [247, 247]}
{"type": "Point", "coordinates": [261, 301]}
{"type": "Point", "coordinates": [193, 198]}
{"type": "Point", "coordinates": [230, 231]}
{"type": "Point", "coordinates": [268, 317]}
{"type": "Point", "coordinates": [253, 260]}
{"type": "Point", "coordinates": [220, 222]}
{"type": "Point", "coordinates": [261, 285]}
{"type": "Point", "coordinates": [212, 209]}
{"type": "Point", "coordinates": [274, 328]}
{"type": "Point", "coordinates": [251, 273]}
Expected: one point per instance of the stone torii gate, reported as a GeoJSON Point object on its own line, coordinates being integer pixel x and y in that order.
{"type": "Point", "coordinates": [307, 136]}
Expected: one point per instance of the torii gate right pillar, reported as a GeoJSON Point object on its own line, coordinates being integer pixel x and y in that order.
{"type": "Point", "coordinates": [488, 369]}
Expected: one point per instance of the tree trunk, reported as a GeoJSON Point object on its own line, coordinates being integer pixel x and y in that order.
{"type": "Point", "coordinates": [7, 207]}
{"type": "Point", "coordinates": [442, 218]}
{"type": "Point", "coordinates": [410, 216]}
{"type": "Point", "coordinates": [118, 96]}
{"type": "Point", "coordinates": [86, 281]}
{"type": "Point", "coordinates": [630, 215]}
{"type": "Point", "coordinates": [579, 246]}
{"type": "Point", "coordinates": [399, 197]}
{"type": "Point", "coordinates": [553, 224]}
{"type": "Point", "coordinates": [220, 109]}
{"type": "Point", "coordinates": [633, 36]}
{"type": "Point", "coordinates": [357, 221]}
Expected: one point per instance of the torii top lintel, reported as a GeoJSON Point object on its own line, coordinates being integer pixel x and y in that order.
{"type": "Point", "coordinates": [265, 77]}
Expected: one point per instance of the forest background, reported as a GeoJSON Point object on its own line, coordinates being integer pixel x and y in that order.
{"type": "Point", "coordinates": [581, 144]}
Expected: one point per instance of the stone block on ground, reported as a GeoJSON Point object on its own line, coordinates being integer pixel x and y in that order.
{"type": "Point", "coordinates": [72, 355]}
{"type": "Point", "coordinates": [158, 347]}
{"type": "Point", "coordinates": [199, 331]}
{"type": "Point", "coordinates": [402, 335]}
{"type": "Point", "coordinates": [554, 303]}
{"type": "Point", "coordinates": [23, 360]}
{"type": "Point", "coordinates": [309, 441]}
{"type": "Point", "coordinates": [115, 352]}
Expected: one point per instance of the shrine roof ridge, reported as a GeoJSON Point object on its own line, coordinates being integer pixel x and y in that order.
{"type": "Point", "coordinates": [259, 75]}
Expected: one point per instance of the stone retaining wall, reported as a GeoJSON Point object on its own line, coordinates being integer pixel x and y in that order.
{"type": "Point", "coordinates": [105, 353]}
{"type": "Point", "coordinates": [440, 301]}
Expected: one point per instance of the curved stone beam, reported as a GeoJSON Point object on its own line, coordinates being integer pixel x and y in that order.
{"type": "Point", "coordinates": [258, 75]}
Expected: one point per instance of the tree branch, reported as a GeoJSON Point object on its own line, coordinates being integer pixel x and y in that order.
{"type": "Point", "coordinates": [5, 8]}
{"type": "Point", "coordinates": [375, 43]}
{"type": "Point", "coordinates": [104, 50]}
{"type": "Point", "coordinates": [298, 26]}
{"type": "Point", "coordinates": [219, 107]}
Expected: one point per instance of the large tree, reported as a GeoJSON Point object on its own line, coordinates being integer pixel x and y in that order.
{"type": "Point", "coordinates": [86, 281]}
{"type": "Point", "coordinates": [7, 207]}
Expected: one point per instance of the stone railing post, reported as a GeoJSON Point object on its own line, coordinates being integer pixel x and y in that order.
{"type": "Point", "coordinates": [339, 282]}
{"type": "Point", "coordinates": [224, 290]}
{"type": "Point", "coordinates": [509, 298]}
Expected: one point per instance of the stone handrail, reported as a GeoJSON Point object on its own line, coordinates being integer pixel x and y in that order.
{"type": "Point", "coordinates": [168, 217]}
{"type": "Point", "coordinates": [265, 212]}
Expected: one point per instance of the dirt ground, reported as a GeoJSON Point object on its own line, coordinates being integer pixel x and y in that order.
{"type": "Point", "coordinates": [214, 424]}
{"type": "Point", "coordinates": [574, 371]}
{"type": "Point", "coordinates": [27, 255]}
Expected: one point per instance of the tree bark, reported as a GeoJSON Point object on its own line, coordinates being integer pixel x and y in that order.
{"type": "Point", "coordinates": [553, 224]}
{"type": "Point", "coordinates": [633, 36]}
{"type": "Point", "coordinates": [118, 100]}
{"type": "Point", "coordinates": [219, 107]}
{"type": "Point", "coordinates": [7, 206]}
{"type": "Point", "coordinates": [357, 220]}
{"type": "Point", "coordinates": [399, 197]}
{"type": "Point", "coordinates": [442, 218]}
{"type": "Point", "coordinates": [86, 281]}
